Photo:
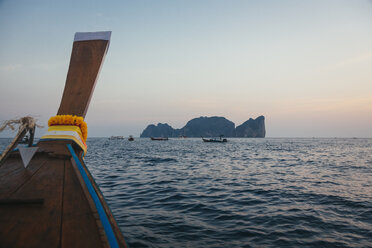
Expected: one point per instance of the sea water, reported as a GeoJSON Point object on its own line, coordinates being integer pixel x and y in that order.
{"type": "Point", "coordinates": [271, 192]}
{"type": "Point", "coordinates": [243, 193]}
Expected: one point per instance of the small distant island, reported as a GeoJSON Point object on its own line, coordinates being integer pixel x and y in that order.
{"type": "Point", "coordinates": [209, 127]}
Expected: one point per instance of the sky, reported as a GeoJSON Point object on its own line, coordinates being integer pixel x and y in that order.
{"type": "Point", "coordinates": [305, 65]}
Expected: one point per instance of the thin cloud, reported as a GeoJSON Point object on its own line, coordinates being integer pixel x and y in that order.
{"type": "Point", "coordinates": [356, 59]}
{"type": "Point", "coordinates": [10, 67]}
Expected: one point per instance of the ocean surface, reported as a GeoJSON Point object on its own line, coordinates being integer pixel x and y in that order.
{"type": "Point", "coordinates": [271, 192]}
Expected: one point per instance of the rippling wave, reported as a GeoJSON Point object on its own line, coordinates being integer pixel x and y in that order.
{"type": "Point", "coordinates": [245, 193]}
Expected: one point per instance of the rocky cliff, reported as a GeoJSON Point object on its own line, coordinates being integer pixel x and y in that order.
{"type": "Point", "coordinates": [209, 127]}
{"type": "Point", "coordinates": [252, 128]}
{"type": "Point", "coordinates": [161, 130]}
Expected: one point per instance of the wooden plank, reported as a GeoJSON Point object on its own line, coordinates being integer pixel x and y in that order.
{"type": "Point", "coordinates": [115, 227]}
{"type": "Point", "coordinates": [91, 203]}
{"type": "Point", "coordinates": [19, 175]}
{"type": "Point", "coordinates": [118, 235]}
{"type": "Point", "coordinates": [35, 226]}
{"type": "Point", "coordinates": [11, 165]}
{"type": "Point", "coordinates": [21, 133]}
{"type": "Point", "coordinates": [86, 59]}
{"type": "Point", "coordinates": [19, 202]}
{"type": "Point", "coordinates": [32, 136]}
{"type": "Point", "coordinates": [79, 228]}
{"type": "Point", "coordinates": [55, 148]}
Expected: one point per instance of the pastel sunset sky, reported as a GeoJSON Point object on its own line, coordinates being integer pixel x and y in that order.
{"type": "Point", "coordinates": [305, 65]}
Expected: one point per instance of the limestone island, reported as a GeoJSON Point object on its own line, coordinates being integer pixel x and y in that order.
{"type": "Point", "coordinates": [209, 127]}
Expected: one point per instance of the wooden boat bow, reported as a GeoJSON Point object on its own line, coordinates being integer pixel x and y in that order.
{"type": "Point", "coordinates": [55, 202]}
{"type": "Point", "coordinates": [88, 53]}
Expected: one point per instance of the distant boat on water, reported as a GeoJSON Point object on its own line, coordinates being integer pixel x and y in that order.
{"type": "Point", "coordinates": [220, 140]}
{"type": "Point", "coordinates": [160, 139]}
{"type": "Point", "coordinates": [130, 138]}
{"type": "Point", "coordinates": [116, 137]}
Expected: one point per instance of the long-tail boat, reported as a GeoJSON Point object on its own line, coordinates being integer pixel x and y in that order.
{"type": "Point", "coordinates": [214, 140]}
{"type": "Point", "coordinates": [52, 200]}
{"type": "Point", "coordinates": [160, 138]}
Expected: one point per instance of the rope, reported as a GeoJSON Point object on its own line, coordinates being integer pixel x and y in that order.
{"type": "Point", "coordinates": [26, 124]}
{"type": "Point", "coordinates": [27, 121]}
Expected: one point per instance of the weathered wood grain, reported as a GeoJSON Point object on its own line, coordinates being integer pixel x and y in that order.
{"type": "Point", "coordinates": [85, 63]}
{"type": "Point", "coordinates": [11, 165]}
{"type": "Point", "coordinates": [115, 227]}
{"type": "Point", "coordinates": [35, 226]}
{"type": "Point", "coordinates": [79, 228]}
{"type": "Point", "coordinates": [19, 175]}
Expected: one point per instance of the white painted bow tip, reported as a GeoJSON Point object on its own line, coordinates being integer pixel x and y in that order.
{"type": "Point", "coordinates": [83, 36]}
{"type": "Point", "coordinates": [26, 154]}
